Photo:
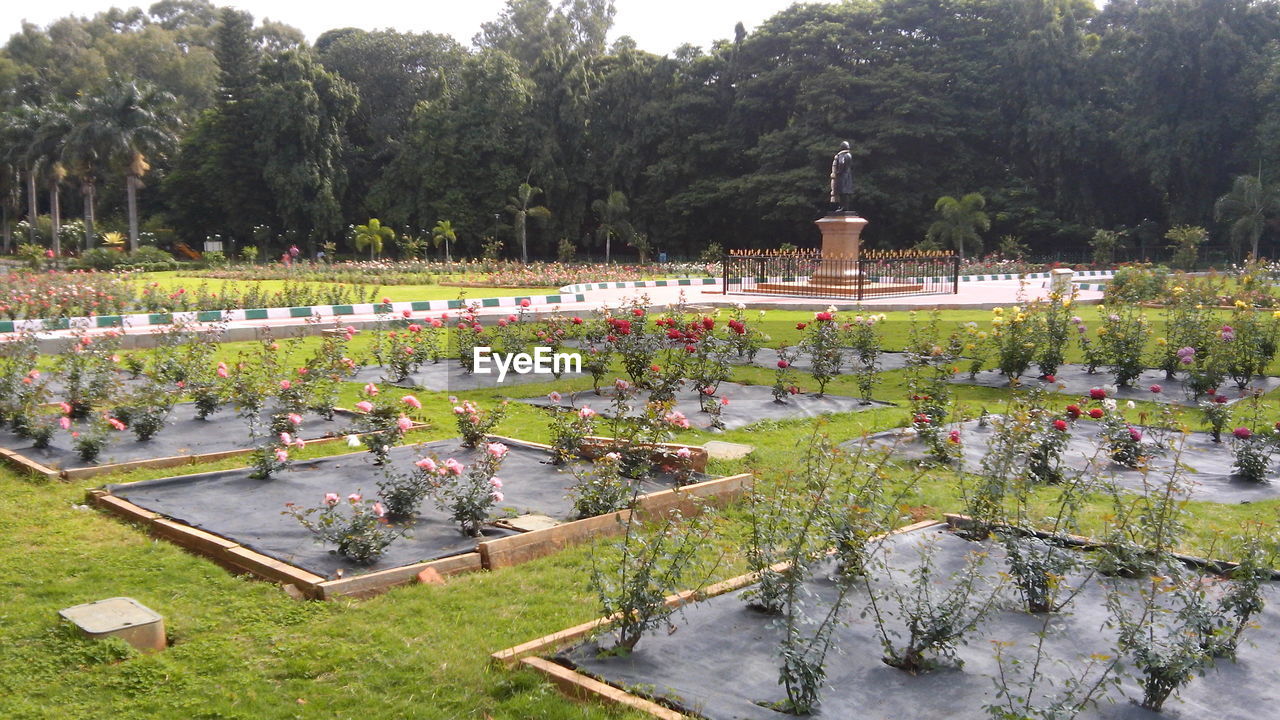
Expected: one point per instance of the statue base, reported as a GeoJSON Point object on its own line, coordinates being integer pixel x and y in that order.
{"type": "Point", "coordinates": [841, 237]}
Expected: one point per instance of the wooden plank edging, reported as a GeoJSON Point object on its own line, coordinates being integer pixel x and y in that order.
{"type": "Point", "coordinates": [377, 582]}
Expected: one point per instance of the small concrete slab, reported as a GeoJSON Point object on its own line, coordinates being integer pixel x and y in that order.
{"type": "Point", "coordinates": [121, 617]}
{"type": "Point", "coordinates": [529, 523]}
{"type": "Point", "coordinates": [721, 450]}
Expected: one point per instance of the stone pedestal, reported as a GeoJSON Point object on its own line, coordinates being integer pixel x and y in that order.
{"type": "Point", "coordinates": [841, 236]}
{"type": "Point", "coordinates": [1060, 281]}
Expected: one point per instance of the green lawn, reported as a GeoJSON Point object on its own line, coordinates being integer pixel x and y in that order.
{"type": "Point", "coordinates": [243, 649]}
{"type": "Point", "coordinates": [172, 280]}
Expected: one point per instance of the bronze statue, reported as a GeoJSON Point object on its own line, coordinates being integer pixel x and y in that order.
{"type": "Point", "coordinates": [842, 180]}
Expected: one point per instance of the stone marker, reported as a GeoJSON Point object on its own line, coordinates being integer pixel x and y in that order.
{"type": "Point", "coordinates": [530, 522]}
{"type": "Point", "coordinates": [121, 617]}
{"type": "Point", "coordinates": [721, 450]}
{"type": "Point", "coordinates": [1060, 281]}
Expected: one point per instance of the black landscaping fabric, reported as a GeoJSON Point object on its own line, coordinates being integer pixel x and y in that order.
{"type": "Point", "coordinates": [1076, 380]}
{"type": "Point", "coordinates": [748, 404]}
{"type": "Point", "coordinates": [449, 376]}
{"type": "Point", "coordinates": [183, 434]}
{"type": "Point", "coordinates": [722, 659]}
{"type": "Point", "coordinates": [768, 358]}
{"type": "Point", "coordinates": [231, 504]}
{"type": "Point", "coordinates": [1205, 465]}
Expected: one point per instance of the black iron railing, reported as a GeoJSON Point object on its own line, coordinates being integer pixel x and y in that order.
{"type": "Point", "coordinates": [807, 273]}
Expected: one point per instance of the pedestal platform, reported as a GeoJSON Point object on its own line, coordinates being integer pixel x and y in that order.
{"type": "Point", "coordinates": [841, 237]}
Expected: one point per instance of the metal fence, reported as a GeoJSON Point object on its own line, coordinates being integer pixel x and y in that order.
{"type": "Point", "coordinates": [872, 274]}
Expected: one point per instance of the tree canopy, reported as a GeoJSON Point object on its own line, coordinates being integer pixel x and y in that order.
{"type": "Point", "coordinates": [1067, 118]}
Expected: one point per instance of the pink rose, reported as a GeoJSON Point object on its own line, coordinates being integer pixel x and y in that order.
{"type": "Point", "coordinates": [586, 413]}
{"type": "Point", "coordinates": [684, 453]}
{"type": "Point", "coordinates": [371, 390]}
{"type": "Point", "coordinates": [331, 499]}
{"type": "Point", "coordinates": [353, 498]}
{"type": "Point", "coordinates": [412, 402]}
{"type": "Point", "coordinates": [524, 302]}
{"type": "Point", "coordinates": [282, 455]}
{"type": "Point", "coordinates": [495, 482]}
{"type": "Point", "coordinates": [498, 496]}
{"type": "Point", "coordinates": [364, 406]}
{"type": "Point", "coordinates": [453, 466]}
{"type": "Point", "coordinates": [404, 423]}
{"type": "Point", "coordinates": [295, 418]}
{"type": "Point", "coordinates": [427, 464]}
{"type": "Point", "coordinates": [64, 422]}
{"type": "Point", "coordinates": [554, 396]}
{"type": "Point", "coordinates": [379, 509]}
{"type": "Point", "coordinates": [497, 450]}
{"type": "Point", "coordinates": [285, 384]}
{"type": "Point", "coordinates": [286, 438]}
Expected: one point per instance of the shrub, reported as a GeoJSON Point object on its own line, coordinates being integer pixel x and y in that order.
{"type": "Point", "coordinates": [601, 489]}
{"type": "Point", "coordinates": [633, 576]}
{"type": "Point", "coordinates": [469, 496]}
{"type": "Point", "coordinates": [361, 533]}
{"type": "Point", "coordinates": [1136, 283]}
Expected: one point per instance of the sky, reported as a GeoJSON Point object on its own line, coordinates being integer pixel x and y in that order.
{"type": "Point", "coordinates": [658, 26]}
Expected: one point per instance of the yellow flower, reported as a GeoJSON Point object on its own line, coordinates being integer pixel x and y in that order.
{"type": "Point", "coordinates": [1161, 342]}
{"type": "Point", "coordinates": [1276, 315]}
{"type": "Point", "coordinates": [997, 321]}
{"type": "Point", "coordinates": [997, 311]}
{"type": "Point", "coordinates": [1241, 304]}
{"type": "Point", "coordinates": [1178, 290]}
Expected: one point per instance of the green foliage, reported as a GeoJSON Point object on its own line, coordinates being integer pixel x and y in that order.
{"type": "Point", "coordinates": [960, 221]}
{"type": "Point", "coordinates": [372, 235]}
{"type": "Point", "coordinates": [1185, 241]}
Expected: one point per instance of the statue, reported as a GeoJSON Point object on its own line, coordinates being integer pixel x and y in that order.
{"type": "Point", "coordinates": [842, 180]}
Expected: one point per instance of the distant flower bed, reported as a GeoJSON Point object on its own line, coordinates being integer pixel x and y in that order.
{"type": "Point", "coordinates": [480, 273]}
{"type": "Point", "coordinates": [56, 294]}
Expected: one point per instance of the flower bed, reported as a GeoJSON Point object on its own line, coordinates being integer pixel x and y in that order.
{"type": "Point", "coordinates": [239, 521]}
{"type": "Point", "coordinates": [740, 405]}
{"type": "Point", "coordinates": [1077, 380]}
{"type": "Point", "coordinates": [186, 440]}
{"type": "Point", "coordinates": [1206, 465]}
{"type": "Point", "coordinates": [723, 662]}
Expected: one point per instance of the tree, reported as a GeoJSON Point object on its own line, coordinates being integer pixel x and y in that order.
{"type": "Point", "coordinates": [299, 115]}
{"type": "Point", "coordinates": [44, 156]}
{"type": "Point", "coordinates": [18, 131]}
{"type": "Point", "coordinates": [443, 233]}
{"type": "Point", "coordinates": [960, 221]}
{"type": "Point", "coordinates": [373, 235]}
{"type": "Point", "coordinates": [1185, 241]}
{"type": "Point", "coordinates": [1246, 209]}
{"type": "Point", "coordinates": [518, 206]}
{"type": "Point", "coordinates": [611, 215]}
{"type": "Point", "coordinates": [127, 123]}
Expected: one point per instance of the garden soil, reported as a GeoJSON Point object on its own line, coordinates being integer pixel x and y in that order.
{"type": "Point", "coordinates": [721, 658]}
{"type": "Point", "coordinates": [183, 434]}
{"type": "Point", "coordinates": [251, 512]}
{"type": "Point", "coordinates": [1076, 380]}
{"type": "Point", "coordinates": [1206, 465]}
{"type": "Point", "coordinates": [748, 404]}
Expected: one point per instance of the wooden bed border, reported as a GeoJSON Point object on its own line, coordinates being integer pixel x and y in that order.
{"type": "Point", "coordinates": [490, 554]}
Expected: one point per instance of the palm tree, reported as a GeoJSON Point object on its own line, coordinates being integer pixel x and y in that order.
{"type": "Point", "coordinates": [372, 236]}
{"type": "Point", "coordinates": [1246, 209]}
{"type": "Point", "coordinates": [960, 221]}
{"type": "Point", "coordinates": [612, 214]}
{"type": "Point", "coordinates": [518, 206]}
{"type": "Point", "coordinates": [443, 232]}
{"type": "Point", "coordinates": [17, 131]}
{"type": "Point", "coordinates": [121, 125]}
{"type": "Point", "coordinates": [45, 157]}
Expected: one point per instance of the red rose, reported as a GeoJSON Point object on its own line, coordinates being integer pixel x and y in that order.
{"type": "Point", "coordinates": [1050, 378]}
{"type": "Point", "coordinates": [1060, 425]}
{"type": "Point", "coordinates": [1096, 413]}
{"type": "Point", "coordinates": [801, 326]}
{"type": "Point", "coordinates": [1098, 394]}
{"type": "Point", "coordinates": [783, 364]}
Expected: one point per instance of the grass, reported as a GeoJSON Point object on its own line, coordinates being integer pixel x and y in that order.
{"type": "Point", "coordinates": [173, 279]}
{"type": "Point", "coordinates": [243, 649]}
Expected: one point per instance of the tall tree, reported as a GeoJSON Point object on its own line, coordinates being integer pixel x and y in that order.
{"type": "Point", "coordinates": [521, 211]}
{"type": "Point", "coordinates": [611, 220]}
{"type": "Point", "coordinates": [44, 155]}
{"type": "Point", "coordinates": [373, 235]}
{"type": "Point", "coordinates": [300, 116]}
{"type": "Point", "coordinates": [127, 123]}
{"type": "Point", "coordinates": [959, 222]}
{"type": "Point", "coordinates": [443, 232]}
{"type": "Point", "coordinates": [1246, 210]}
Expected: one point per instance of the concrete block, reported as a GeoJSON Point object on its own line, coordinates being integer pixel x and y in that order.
{"type": "Point", "coordinates": [720, 450]}
{"type": "Point", "coordinates": [121, 617]}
